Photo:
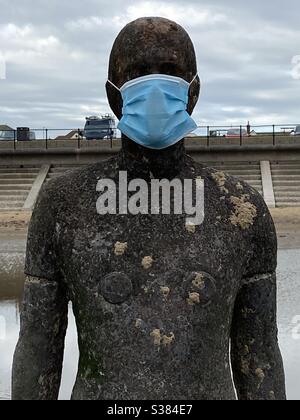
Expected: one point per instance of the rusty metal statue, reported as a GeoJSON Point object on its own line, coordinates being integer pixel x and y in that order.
{"type": "Point", "coordinates": [157, 302]}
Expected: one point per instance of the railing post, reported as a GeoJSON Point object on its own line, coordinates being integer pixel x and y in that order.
{"type": "Point", "coordinates": [46, 138]}
{"type": "Point", "coordinates": [208, 136]}
{"type": "Point", "coordinates": [15, 140]}
{"type": "Point", "coordinates": [78, 138]}
{"type": "Point", "coordinates": [241, 136]}
{"type": "Point", "coordinates": [274, 136]}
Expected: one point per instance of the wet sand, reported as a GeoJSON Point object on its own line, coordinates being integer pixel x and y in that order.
{"type": "Point", "coordinates": [287, 222]}
{"type": "Point", "coordinates": [14, 221]}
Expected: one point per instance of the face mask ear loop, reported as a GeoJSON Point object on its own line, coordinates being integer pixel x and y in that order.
{"type": "Point", "coordinates": [116, 87]}
{"type": "Point", "coordinates": [194, 79]}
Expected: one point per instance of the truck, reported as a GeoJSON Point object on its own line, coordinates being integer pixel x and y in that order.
{"type": "Point", "coordinates": [99, 128]}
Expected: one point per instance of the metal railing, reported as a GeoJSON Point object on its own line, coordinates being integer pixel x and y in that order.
{"type": "Point", "coordinates": [206, 136]}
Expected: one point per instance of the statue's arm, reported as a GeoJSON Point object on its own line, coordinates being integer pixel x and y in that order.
{"type": "Point", "coordinates": [38, 358]}
{"type": "Point", "coordinates": [256, 359]}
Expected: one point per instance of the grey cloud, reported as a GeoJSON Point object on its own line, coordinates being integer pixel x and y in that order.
{"type": "Point", "coordinates": [58, 56]}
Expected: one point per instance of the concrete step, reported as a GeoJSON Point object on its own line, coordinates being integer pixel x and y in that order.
{"type": "Point", "coordinates": [279, 181]}
{"type": "Point", "coordinates": [19, 187]}
{"type": "Point", "coordinates": [287, 191]}
{"type": "Point", "coordinates": [278, 178]}
{"type": "Point", "coordinates": [13, 181]}
{"type": "Point", "coordinates": [11, 205]}
{"type": "Point", "coordinates": [285, 168]}
{"type": "Point", "coordinates": [287, 198]}
{"type": "Point", "coordinates": [291, 164]}
{"type": "Point", "coordinates": [18, 176]}
{"type": "Point", "coordinates": [292, 168]}
{"type": "Point", "coordinates": [18, 169]}
{"type": "Point", "coordinates": [17, 197]}
{"type": "Point", "coordinates": [285, 182]}
{"type": "Point", "coordinates": [287, 204]}
{"type": "Point", "coordinates": [286, 164]}
{"type": "Point", "coordinates": [285, 174]}
{"type": "Point", "coordinates": [13, 192]}
{"type": "Point", "coordinates": [286, 186]}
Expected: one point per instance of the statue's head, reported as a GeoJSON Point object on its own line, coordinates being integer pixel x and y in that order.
{"type": "Point", "coordinates": [151, 46]}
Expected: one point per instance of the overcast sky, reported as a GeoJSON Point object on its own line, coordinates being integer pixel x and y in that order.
{"type": "Point", "coordinates": [56, 54]}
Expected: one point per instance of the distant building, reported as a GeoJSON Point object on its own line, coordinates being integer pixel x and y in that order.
{"type": "Point", "coordinates": [73, 135]}
{"type": "Point", "coordinates": [5, 128]}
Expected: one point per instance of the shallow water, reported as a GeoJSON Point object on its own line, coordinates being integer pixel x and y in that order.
{"type": "Point", "coordinates": [10, 290]}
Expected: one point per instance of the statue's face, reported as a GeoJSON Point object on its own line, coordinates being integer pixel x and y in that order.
{"type": "Point", "coordinates": [160, 60]}
{"type": "Point", "coordinates": [151, 46]}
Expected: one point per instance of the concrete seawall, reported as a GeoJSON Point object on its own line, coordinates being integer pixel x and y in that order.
{"type": "Point", "coordinates": [71, 155]}
{"type": "Point", "coordinates": [273, 170]}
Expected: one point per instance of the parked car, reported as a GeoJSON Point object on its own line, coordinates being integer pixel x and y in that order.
{"type": "Point", "coordinates": [236, 132]}
{"type": "Point", "coordinates": [7, 135]}
{"type": "Point", "coordinates": [99, 128]}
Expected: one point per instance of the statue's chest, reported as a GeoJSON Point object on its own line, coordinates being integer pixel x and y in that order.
{"type": "Point", "coordinates": [136, 257]}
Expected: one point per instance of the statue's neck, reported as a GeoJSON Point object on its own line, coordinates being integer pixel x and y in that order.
{"type": "Point", "coordinates": [144, 163]}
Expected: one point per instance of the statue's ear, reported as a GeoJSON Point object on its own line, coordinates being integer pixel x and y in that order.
{"type": "Point", "coordinates": [194, 94]}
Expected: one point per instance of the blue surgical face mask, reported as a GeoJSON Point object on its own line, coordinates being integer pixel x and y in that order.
{"type": "Point", "coordinates": [155, 110]}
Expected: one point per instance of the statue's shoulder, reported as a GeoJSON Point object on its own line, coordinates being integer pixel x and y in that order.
{"type": "Point", "coordinates": [243, 209]}
{"type": "Point", "coordinates": [227, 185]}
{"type": "Point", "coordinates": [64, 197]}
{"type": "Point", "coordinates": [246, 206]}
{"type": "Point", "coordinates": [61, 189]}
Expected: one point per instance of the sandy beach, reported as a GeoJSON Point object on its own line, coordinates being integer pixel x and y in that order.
{"type": "Point", "coordinates": [14, 222]}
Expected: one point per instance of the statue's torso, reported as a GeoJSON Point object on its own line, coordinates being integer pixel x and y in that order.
{"type": "Point", "coordinates": [153, 300]}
